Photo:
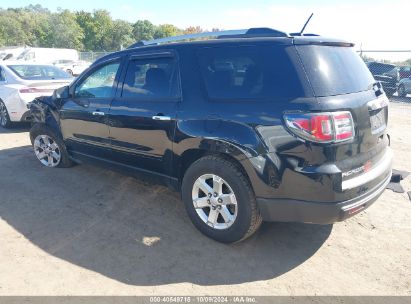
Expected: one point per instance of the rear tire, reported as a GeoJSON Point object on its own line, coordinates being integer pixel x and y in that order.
{"type": "Point", "coordinates": [49, 149]}
{"type": "Point", "coordinates": [234, 201]}
{"type": "Point", "coordinates": [5, 121]}
{"type": "Point", "coordinates": [401, 91]}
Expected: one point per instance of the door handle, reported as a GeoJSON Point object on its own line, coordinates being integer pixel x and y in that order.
{"type": "Point", "coordinates": [161, 117]}
{"type": "Point", "coordinates": [98, 113]}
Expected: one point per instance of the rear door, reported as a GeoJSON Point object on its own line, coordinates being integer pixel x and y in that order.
{"type": "Point", "coordinates": [143, 114]}
{"type": "Point", "coordinates": [83, 117]}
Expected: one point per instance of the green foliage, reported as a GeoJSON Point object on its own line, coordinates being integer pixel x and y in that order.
{"type": "Point", "coordinates": [143, 30]}
{"type": "Point", "coordinates": [166, 30]}
{"type": "Point", "coordinates": [65, 32]}
{"type": "Point", "coordinates": [36, 26]}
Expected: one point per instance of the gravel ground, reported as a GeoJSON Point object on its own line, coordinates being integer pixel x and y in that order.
{"type": "Point", "coordinates": [89, 231]}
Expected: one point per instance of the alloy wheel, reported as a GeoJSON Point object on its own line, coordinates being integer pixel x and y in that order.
{"type": "Point", "coordinates": [214, 201]}
{"type": "Point", "coordinates": [47, 150]}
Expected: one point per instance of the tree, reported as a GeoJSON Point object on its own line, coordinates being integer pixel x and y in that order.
{"type": "Point", "coordinates": [166, 30]}
{"type": "Point", "coordinates": [121, 35]}
{"type": "Point", "coordinates": [103, 25]}
{"type": "Point", "coordinates": [12, 32]}
{"type": "Point", "coordinates": [143, 30]}
{"type": "Point", "coordinates": [193, 30]}
{"type": "Point", "coordinates": [66, 33]}
{"type": "Point", "coordinates": [37, 26]}
{"type": "Point", "coordinates": [86, 21]}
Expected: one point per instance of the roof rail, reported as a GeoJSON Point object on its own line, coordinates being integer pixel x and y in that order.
{"type": "Point", "coordinates": [303, 35]}
{"type": "Point", "coordinates": [245, 33]}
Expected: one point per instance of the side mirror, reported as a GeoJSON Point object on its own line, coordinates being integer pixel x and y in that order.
{"type": "Point", "coordinates": [61, 93]}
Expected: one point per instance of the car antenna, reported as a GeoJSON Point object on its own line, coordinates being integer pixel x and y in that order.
{"type": "Point", "coordinates": [305, 25]}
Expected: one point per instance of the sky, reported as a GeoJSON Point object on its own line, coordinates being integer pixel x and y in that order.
{"type": "Point", "coordinates": [371, 24]}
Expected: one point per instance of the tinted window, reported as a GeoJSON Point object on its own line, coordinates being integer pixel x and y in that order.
{"type": "Point", "coordinates": [249, 72]}
{"type": "Point", "coordinates": [38, 72]}
{"type": "Point", "coordinates": [151, 78]}
{"type": "Point", "coordinates": [334, 70]}
{"type": "Point", "coordinates": [99, 84]}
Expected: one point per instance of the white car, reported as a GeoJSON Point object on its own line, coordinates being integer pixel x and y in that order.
{"type": "Point", "coordinates": [74, 68]}
{"type": "Point", "coordinates": [21, 83]}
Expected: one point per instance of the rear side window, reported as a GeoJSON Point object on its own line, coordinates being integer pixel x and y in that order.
{"type": "Point", "coordinates": [151, 78]}
{"type": "Point", "coordinates": [335, 70]}
{"type": "Point", "coordinates": [249, 72]}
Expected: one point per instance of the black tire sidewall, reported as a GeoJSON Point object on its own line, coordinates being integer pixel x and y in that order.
{"type": "Point", "coordinates": [241, 190]}
{"type": "Point", "coordinates": [401, 91]}
{"type": "Point", "coordinates": [8, 122]}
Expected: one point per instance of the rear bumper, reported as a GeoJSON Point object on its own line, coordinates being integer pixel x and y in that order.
{"type": "Point", "coordinates": [284, 210]}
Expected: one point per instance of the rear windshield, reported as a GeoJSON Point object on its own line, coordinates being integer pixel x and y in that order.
{"type": "Point", "coordinates": [249, 72]}
{"type": "Point", "coordinates": [335, 70]}
{"type": "Point", "coordinates": [38, 72]}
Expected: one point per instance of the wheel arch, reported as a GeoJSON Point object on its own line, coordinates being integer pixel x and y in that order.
{"type": "Point", "coordinates": [44, 114]}
{"type": "Point", "coordinates": [190, 156]}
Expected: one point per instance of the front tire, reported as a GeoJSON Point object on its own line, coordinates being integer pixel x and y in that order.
{"type": "Point", "coordinates": [219, 200]}
{"type": "Point", "coordinates": [5, 121]}
{"type": "Point", "coordinates": [49, 149]}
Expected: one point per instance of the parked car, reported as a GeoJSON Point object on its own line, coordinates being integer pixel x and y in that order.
{"type": "Point", "coordinates": [405, 72]}
{"type": "Point", "coordinates": [387, 74]}
{"type": "Point", "coordinates": [22, 82]}
{"type": "Point", "coordinates": [299, 134]}
{"type": "Point", "coordinates": [72, 67]}
{"type": "Point", "coordinates": [404, 87]}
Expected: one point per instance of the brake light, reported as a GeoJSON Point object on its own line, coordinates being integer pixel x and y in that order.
{"type": "Point", "coordinates": [321, 127]}
{"type": "Point", "coordinates": [34, 90]}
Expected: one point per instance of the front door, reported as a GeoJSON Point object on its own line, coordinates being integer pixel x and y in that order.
{"type": "Point", "coordinates": [142, 117]}
{"type": "Point", "coordinates": [83, 116]}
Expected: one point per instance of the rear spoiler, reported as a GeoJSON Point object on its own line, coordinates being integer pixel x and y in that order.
{"type": "Point", "coordinates": [307, 40]}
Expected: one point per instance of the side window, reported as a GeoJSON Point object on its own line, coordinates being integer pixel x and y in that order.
{"type": "Point", "coordinates": [99, 84]}
{"type": "Point", "coordinates": [249, 72]}
{"type": "Point", "coordinates": [151, 78]}
{"type": "Point", "coordinates": [2, 75]}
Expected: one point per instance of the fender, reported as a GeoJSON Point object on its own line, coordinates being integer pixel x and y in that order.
{"type": "Point", "coordinates": [44, 110]}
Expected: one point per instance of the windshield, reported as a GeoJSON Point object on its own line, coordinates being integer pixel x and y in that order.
{"type": "Point", "coordinates": [335, 70]}
{"type": "Point", "coordinates": [38, 72]}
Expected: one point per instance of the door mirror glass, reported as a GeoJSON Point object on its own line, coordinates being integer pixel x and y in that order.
{"type": "Point", "coordinates": [99, 84]}
{"type": "Point", "coordinates": [61, 93]}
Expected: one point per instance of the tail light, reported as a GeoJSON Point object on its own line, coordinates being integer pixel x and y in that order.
{"type": "Point", "coordinates": [28, 90]}
{"type": "Point", "coordinates": [321, 127]}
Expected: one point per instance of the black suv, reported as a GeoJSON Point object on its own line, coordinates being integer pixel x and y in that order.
{"type": "Point", "coordinates": [387, 74]}
{"type": "Point", "coordinates": [250, 126]}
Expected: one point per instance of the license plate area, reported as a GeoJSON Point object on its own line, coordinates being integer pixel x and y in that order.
{"type": "Point", "coordinates": [378, 120]}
